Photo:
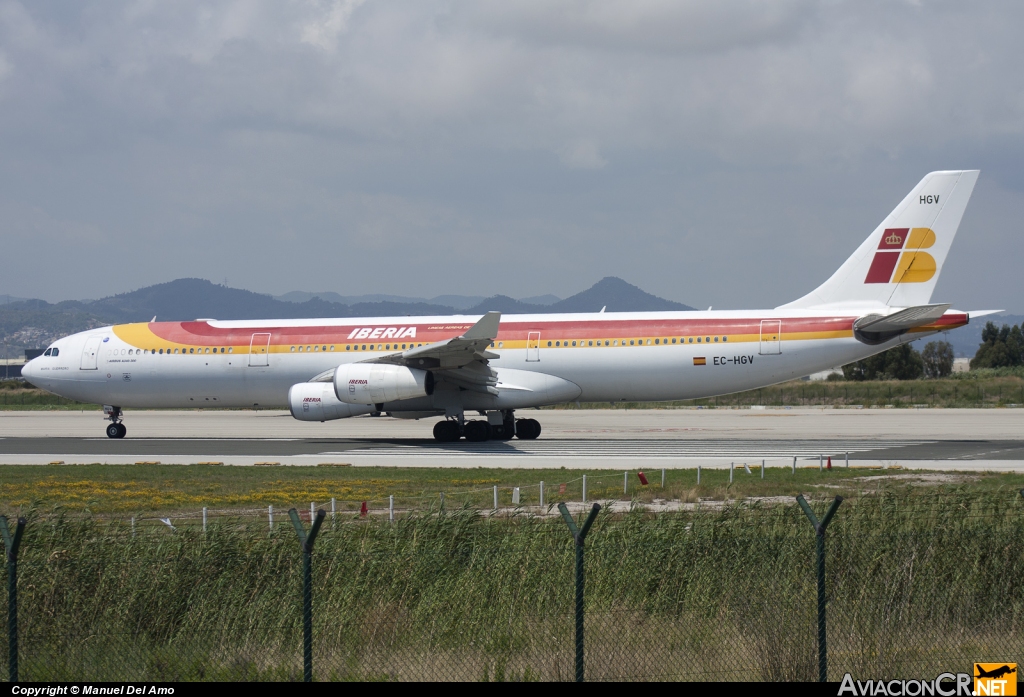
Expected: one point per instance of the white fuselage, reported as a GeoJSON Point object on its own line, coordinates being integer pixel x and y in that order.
{"type": "Point", "coordinates": [543, 359]}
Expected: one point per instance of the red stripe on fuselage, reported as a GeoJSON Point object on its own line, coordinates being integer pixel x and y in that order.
{"type": "Point", "coordinates": [204, 334]}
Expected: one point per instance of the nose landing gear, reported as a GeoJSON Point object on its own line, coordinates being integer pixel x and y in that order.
{"type": "Point", "coordinates": [115, 429]}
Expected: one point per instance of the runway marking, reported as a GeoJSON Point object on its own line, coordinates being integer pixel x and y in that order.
{"type": "Point", "coordinates": [640, 448]}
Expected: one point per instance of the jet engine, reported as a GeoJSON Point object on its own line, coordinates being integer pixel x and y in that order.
{"type": "Point", "coordinates": [377, 383]}
{"type": "Point", "coordinates": [315, 401]}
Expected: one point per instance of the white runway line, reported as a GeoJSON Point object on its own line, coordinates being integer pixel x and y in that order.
{"type": "Point", "coordinates": [619, 448]}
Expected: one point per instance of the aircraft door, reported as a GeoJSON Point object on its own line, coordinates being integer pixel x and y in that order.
{"type": "Point", "coordinates": [259, 351]}
{"type": "Point", "coordinates": [91, 352]}
{"type": "Point", "coordinates": [771, 337]}
{"type": "Point", "coordinates": [533, 347]}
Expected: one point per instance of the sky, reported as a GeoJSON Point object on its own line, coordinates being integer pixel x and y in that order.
{"type": "Point", "coordinates": [729, 153]}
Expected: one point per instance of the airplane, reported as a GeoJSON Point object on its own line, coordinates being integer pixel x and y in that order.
{"type": "Point", "coordinates": [445, 367]}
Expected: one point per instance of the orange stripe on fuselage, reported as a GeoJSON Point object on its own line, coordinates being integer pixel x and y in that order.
{"type": "Point", "coordinates": [511, 333]}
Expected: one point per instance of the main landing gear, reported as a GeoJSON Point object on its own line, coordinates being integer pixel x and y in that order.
{"type": "Point", "coordinates": [477, 431]}
{"type": "Point", "coordinates": [116, 429]}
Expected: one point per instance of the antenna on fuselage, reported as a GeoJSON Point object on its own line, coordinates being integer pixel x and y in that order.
{"type": "Point", "coordinates": [603, 308]}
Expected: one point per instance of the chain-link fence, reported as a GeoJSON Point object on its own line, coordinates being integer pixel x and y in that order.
{"type": "Point", "coordinates": [916, 584]}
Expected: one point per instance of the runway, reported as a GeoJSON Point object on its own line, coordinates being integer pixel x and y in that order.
{"type": "Point", "coordinates": [991, 439]}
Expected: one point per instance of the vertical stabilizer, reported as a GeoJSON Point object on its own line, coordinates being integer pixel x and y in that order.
{"type": "Point", "coordinates": [899, 263]}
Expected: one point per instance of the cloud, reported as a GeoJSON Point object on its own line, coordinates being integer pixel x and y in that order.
{"type": "Point", "coordinates": [581, 154]}
{"type": "Point", "coordinates": [332, 20]}
{"type": "Point", "coordinates": [479, 146]}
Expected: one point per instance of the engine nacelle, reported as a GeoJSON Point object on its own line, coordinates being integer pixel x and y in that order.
{"type": "Point", "coordinates": [377, 383]}
{"type": "Point", "coordinates": [315, 401]}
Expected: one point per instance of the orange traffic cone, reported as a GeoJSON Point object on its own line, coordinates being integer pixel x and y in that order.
{"type": "Point", "coordinates": [362, 509]}
{"type": "Point", "coordinates": [829, 465]}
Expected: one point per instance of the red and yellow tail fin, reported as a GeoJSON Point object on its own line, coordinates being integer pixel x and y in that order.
{"type": "Point", "coordinates": [899, 263]}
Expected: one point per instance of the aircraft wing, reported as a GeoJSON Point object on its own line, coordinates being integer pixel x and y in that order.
{"type": "Point", "coordinates": [461, 360]}
{"type": "Point", "coordinates": [904, 319]}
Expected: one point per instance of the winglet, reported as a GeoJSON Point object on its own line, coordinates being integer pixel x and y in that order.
{"type": "Point", "coordinates": [486, 328]}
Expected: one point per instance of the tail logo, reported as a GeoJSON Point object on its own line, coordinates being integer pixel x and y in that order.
{"type": "Point", "coordinates": [911, 265]}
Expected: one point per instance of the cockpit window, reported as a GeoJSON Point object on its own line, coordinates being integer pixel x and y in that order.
{"type": "Point", "coordinates": [56, 352]}
{"type": "Point", "coordinates": [47, 352]}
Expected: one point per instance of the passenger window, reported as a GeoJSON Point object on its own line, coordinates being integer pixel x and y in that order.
{"type": "Point", "coordinates": [231, 349]}
{"type": "Point", "coordinates": [500, 344]}
{"type": "Point", "coordinates": [591, 343]}
{"type": "Point", "coordinates": [725, 338]}
{"type": "Point", "coordinates": [348, 348]}
{"type": "Point", "coordinates": [325, 348]}
{"type": "Point", "coordinates": [332, 347]}
{"type": "Point", "coordinates": [191, 350]}
{"type": "Point", "coordinates": [574, 343]}
{"type": "Point", "coordinates": [698, 339]}
{"type": "Point", "coordinates": [707, 339]}
{"type": "Point", "coordinates": [615, 343]}
{"type": "Point", "coordinates": [716, 339]}
{"type": "Point", "coordinates": [549, 343]}
{"type": "Point", "coordinates": [307, 349]}
{"type": "Point", "coordinates": [363, 348]}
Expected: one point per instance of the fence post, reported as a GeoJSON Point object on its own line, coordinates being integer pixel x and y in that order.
{"type": "Point", "coordinates": [204, 519]}
{"type": "Point", "coordinates": [625, 482]}
{"type": "Point", "coordinates": [579, 537]}
{"type": "Point", "coordinates": [11, 545]}
{"type": "Point", "coordinates": [542, 494]}
{"type": "Point", "coordinates": [495, 497]}
{"type": "Point", "coordinates": [584, 488]}
{"type": "Point", "coordinates": [762, 469]}
{"type": "Point", "coordinates": [698, 475]}
{"type": "Point", "coordinates": [391, 508]}
{"type": "Point", "coordinates": [662, 477]}
{"type": "Point", "coordinates": [307, 541]}
{"type": "Point", "coordinates": [819, 532]}
{"type": "Point", "coordinates": [794, 464]}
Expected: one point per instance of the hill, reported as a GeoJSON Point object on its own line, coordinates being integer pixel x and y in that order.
{"type": "Point", "coordinates": [35, 323]}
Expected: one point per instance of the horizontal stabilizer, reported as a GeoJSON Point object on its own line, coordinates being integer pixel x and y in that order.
{"type": "Point", "coordinates": [983, 313]}
{"type": "Point", "coordinates": [902, 320]}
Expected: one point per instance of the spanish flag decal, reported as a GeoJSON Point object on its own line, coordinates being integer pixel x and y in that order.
{"type": "Point", "coordinates": [700, 360]}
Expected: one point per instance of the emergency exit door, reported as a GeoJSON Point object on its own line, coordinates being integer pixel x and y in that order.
{"type": "Point", "coordinates": [771, 336]}
{"type": "Point", "coordinates": [91, 352]}
{"type": "Point", "coordinates": [259, 351]}
{"type": "Point", "coordinates": [533, 347]}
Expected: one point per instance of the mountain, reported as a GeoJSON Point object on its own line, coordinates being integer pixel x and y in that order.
{"type": "Point", "coordinates": [617, 296]}
{"type": "Point", "coordinates": [34, 323]}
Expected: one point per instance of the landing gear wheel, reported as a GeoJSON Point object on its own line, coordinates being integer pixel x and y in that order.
{"type": "Point", "coordinates": [527, 429]}
{"type": "Point", "coordinates": [477, 431]}
{"type": "Point", "coordinates": [116, 430]}
{"type": "Point", "coordinates": [502, 432]}
{"type": "Point", "coordinates": [446, 431]}
{"type": "Point", "coordinates": [122, 430]}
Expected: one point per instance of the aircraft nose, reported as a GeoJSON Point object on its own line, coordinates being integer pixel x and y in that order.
{"type": "Point", "coordinates": [29, 370]}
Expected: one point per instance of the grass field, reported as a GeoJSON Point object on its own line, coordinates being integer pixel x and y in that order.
{"type": "Point", "coordinates": [922, 579]}
{"type": "Point", "coordinates": [183, 490]}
